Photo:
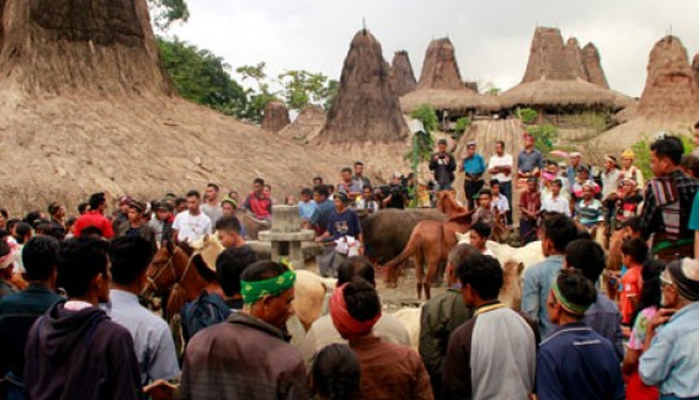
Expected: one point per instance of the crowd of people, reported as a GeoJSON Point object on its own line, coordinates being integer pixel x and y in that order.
{"type": "Point", "coordinates": [72, 324]}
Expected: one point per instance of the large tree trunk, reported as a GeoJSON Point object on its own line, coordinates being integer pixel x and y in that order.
{"type": "Point", "coordinates": [97, 46]}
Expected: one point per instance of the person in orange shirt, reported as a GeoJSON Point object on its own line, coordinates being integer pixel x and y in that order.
{"type": "Point", "coordinates": [634, 253]}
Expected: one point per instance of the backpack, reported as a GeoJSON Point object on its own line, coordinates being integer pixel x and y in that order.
{"type": "Point", "coordinates": [207, 310]}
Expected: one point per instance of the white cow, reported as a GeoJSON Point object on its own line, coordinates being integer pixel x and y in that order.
{"type": "Point", "coordinates": [527, 255]}
{"type": "Point", "coordinates": [410, 319]}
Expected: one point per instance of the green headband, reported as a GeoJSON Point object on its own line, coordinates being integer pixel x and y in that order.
{"type": "Point", "coordinates": [565, 303]}
{"type": "Point", "coordinates": [254, 291]}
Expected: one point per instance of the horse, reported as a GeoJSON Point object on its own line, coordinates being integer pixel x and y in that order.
{"type": "Point", "coordinates": [430, 243]}
{"type": "Point", "coordinates": [252, 224]}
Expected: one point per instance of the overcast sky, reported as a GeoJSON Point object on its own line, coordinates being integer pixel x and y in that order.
{"type": "Point", "coordinates": [491, 38]}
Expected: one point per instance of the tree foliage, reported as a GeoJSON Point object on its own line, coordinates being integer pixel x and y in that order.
{"type": "Point", "coordinates": [165, 12]}
{"type": "Point", "coordinates": [642, 153]}
{"type": "Point", "coordinates": [302, 88]}
{"type": "Point", "coordinates": [259, 97]}
{"type": "Point", "coordinates": [202, 77]}
{"type": "Point", "coordinates": [544, 137]}
{"type": "Point", "coordinates": [526, 115]}
{"type": "Point", "coordinates": [423, 142]}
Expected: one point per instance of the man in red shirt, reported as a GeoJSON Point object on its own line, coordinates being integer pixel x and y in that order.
{"type": "Point", "coordinates": [634, 253]}
{"type": "Point", "coordinates": [258, 202]}
{"type": "Point", "coordinates": [95, 217]}
{"type": "Point", "coordinates": [530, 204]}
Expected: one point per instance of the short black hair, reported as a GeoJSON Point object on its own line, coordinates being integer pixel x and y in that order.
{"type": "Point", "coordinates": [96, 200]}
{"type": "Point", "coordinates": [229, 223]}
{"type": "Point", "coordinates": [317, 178]}
{"type": "Point", "coordinates": [483, 274]}
{"type": "Point", "coordinates": [355, 266]}
{"type": "Point", "coordinates": [79, 262]}
{"type": "Point", "coordinates": [557, 182]}
{"type": "Point", "coordinates": [669, 147]}
{"type": "Point", "coordinates": [82, 207]}
{"type": "Point", "coordinates": [587, 256]}
{"type": "Point", "coordinates": [359, 163]}
{"type": "Point", "coordinates": [130, 256]}
{"type": "Point", "coordinates": [53, 208]}
{"type": "Point", "coordinates": [91, 230]}
{"type": "Point", "coordinates": [635, 248]}
{"type": "Point", "coordinates": [321, 190]}
{"type": "Point", "coordinates": [39, 257]}
{"type": "Point", "coordinates": [346, 169]}
{"type": "Point", "coordinates": [43, 228]}
{"type": "Point", "coordinates": [494, 182]}
{"type": "Point", "coordinates": [262, 270]}
{"type": "Point", "coordinates": [485, 192]}
{"type": "Point", "coordinates": [4, 213]}
{"type": "Point", "coordinates": [576, 288]}
{"type": "Point", "coordinates": [361, 299]}
{"type": "Point", "coordinates": [179, 201]}
{"type": "Point", "coordinates": [502, 143]}
{"type": "Point", "coordinates": [32, 217]}
{"type": "Point", "coordinates": [482, 229]}
{"type": "Point", "coordinates": [260, 181]}
{"type": "Point", "coordinates": [560, 229]}
{"type": "Point", "coordinates": [307, 192]}
{"type": "Point", "coordinates": [193, 193]}
{"type": "Point", "coordinates": [230, 265]}
{"type": "Point", "coordinates": [336, 372]}
{"type": "Point", "coordinates": [213, 186]}
{"type": "Point", "coordinates": [22, 230]}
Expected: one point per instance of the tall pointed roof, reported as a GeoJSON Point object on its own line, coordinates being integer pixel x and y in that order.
{"type": "Point", "coordinates": [404, 79]}
{"type": "Point", "coordinates": [591, 63]}
{"type": "Point", "coordinates": [440, 70]}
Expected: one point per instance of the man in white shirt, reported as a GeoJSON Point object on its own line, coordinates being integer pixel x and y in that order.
{"type": "Point", "coordinates": [501, 167]}
{"type": "Point", "coordinates": [556, 202]}
{"type": "Point", "coordinates": [191, 224]}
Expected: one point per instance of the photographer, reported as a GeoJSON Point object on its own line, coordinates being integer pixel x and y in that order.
{"type": "Point", "coordinates": [396, 195]}
{"type": "Point", "coordinates": [443, 166]}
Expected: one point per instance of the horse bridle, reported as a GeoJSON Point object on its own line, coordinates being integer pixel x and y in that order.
{"type": "Point", "coordinates": [171, 266]}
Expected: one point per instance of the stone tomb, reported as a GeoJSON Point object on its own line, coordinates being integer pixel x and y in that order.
{"type": "Point", "coordinates": [286, 235]}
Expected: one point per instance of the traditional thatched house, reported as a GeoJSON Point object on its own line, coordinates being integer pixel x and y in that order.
{"type": "Point", "coordinates": [404, 79]}
{"type": "Point", "coordinates": [591, 64]}
{"type": "Point", "coordinates": [695, 68]}
{"type": "Point", "coordinates": [555, 80]}
{"type": "Point", "coordinates": [307, 125]}
{"type": "Point", "coordinates": [669, 101]}
{"type": "Point", "coordinates": [275, 117]}
{"type": "Point", "coordinates": [366, 108]}
{"type": "Point", "coordinates": [441, 86]}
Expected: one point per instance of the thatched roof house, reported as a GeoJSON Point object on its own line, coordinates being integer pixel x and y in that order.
{"type": "Point", "coordinates": [591, 63]}
{"type": "Point", "coordinates": [669, 101]}
{"type": "Point", "coordinates": [441, 85]}
{"type": "Point", "coordinates": [556, 78]}
{"type": "Point", "coordinates": [307, 125]}
{"type": "Point", "coordinates": [440, 70]}
{"type": "Point", "coordinates": [275, 117]}
{"type": "Point", "coordinates": [366, 108]}
{"type": "Point", "coordinates": [695, 68]}
{"type": "Point", "coordinates": [404, 79]}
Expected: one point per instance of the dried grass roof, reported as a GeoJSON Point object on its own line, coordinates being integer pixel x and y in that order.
{"type": "Point", "coordinates": [440, 69]}
{"type": "Point", "coordinates": [404, 78]}
{"type": "Point", "coordinates": [451, 100]}
{"type": "Point", "coordinates": [307, 125]}
{"type": "Point", "coordinates": [551, 93]}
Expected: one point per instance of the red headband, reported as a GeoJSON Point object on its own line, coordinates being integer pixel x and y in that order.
{"type": "Point", "coordinates": [348, 326]}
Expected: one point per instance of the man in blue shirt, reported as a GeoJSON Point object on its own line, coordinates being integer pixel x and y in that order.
{"type": "Point", "coordinates": [529, 160]}
{"type": "Point", "coordinates": [671, 360]}
{"type": "Point", "coordinates": [307, 205]}
{"type": "Point", "coordinates": [342, 223]}
{"type": "Point", "coordinates": [319, 219]}
{"type": "Point", "coordinates": [558, 231]}
{"type": "Point", "coordinates": [603, 316]}
{"type": "Point", "coordinates": [474, 167]}
{"type": "Point", "coordinates": [19, 311]}
{"type": "Point", "coordinates": [575, 362]}
{"type": "Point", "coordinates": [153, 342]}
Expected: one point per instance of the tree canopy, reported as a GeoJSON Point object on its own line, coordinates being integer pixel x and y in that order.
{"type": "Point", "coordinates": [165, 12]}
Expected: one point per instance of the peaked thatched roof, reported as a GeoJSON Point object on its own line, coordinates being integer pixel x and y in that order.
{"type": "Point", "coordinates": [275, 117]}
{"type": "Point", "coordinates": [440, 70]}
{"type": "Point", "coordinates": [591, 63]}
{"type": "Point", "coordinates": [695, 68]}
{"type": "Point", "coordinates": [366, 108]}
{"type": "Point", "coordinates": [670, 91]}
{"type": "Point", "coordinates": [404, 79]}
{"type": "Point", "coordinates": [307, 125]}
{"type": "Point", "coordinates": [556, 76]}
{"type": "Point", "coordinates": [451, 100]}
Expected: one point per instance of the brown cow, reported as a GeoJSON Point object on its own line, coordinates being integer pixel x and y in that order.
{"type": "Point", "coordinates": [430, 243]}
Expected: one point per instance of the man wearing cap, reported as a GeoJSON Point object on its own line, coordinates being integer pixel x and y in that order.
{"type": "Point", "coordinates": [249, 356]}
{"type": "Point", "coordinates": [388, 371]}
{"type": "Point", "coordinates": [629, 171]}
{"type": "Point", "coordinates": [443, 166]}
{"type": "Point", "coordinates": [668, 200]}
{"type": "Point", "coordinates": [575, 362]}
{"type": "Point", "coordinates": [474, 168]}
{"type": "Point", "coordinates": [136, 227]}
{"type": "Point", "coordinates": [501, 167]}
{"type": "Point", "coordinates": [671, 359]}
{"type": "Point", "coordinates": [529, 159]}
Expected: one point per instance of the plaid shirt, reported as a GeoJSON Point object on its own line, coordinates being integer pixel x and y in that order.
{"type": "Point", "coordinates": [685, 189]}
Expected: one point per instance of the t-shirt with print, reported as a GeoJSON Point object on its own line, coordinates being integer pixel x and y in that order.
{"type": "Point", "coordinates": [631, 287]}
{"type": "Point", "coordinates": [641, 326]}
{"type": "Point", "coordinates": [191, 227]}
{"type": "Point", "coordinates": [342, 224]}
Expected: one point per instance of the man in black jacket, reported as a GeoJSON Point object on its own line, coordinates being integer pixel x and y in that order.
{"type": "Point", "coordinates": [75, 351]}
{"type": "Point", "coordinates": [443, 166]}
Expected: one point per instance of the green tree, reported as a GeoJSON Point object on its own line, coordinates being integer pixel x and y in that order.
{"type": "Point", "coordinates": [423, 142]}
{"type": "Point", "coordinates": [526, 115]}
{"type": "Point", "coordinates": [165, 12]}
{"type": "Point", "coordinates": [202, 77]}
{"type": "Point", "coordinates": [302, 88]}
{"type": "Point", "coordinates": [544, 137]}
{"type": "Point", "coordinates": [259, 97]}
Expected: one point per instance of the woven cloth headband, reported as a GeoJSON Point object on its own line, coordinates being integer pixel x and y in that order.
{"type": "Point", "coordinates": [254, 291]}
{"type": "Point", "coordinates": [566, 304]}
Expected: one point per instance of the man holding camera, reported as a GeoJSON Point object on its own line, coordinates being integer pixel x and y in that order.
{"type": "Point", "coordinates": [398, 194]}
{"type": "Point", "coordinates": [443, 166]}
